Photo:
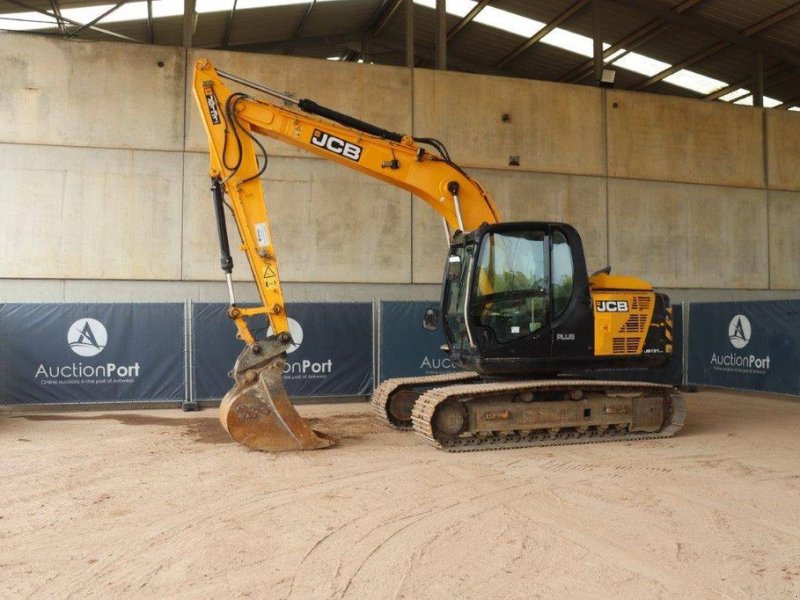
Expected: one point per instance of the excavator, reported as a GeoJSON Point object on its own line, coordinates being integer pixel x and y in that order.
{"type": "Point", "coordinates": [518, 311]}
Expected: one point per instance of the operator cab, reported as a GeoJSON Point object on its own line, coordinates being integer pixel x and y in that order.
{"type": "Point", "coordinates": [517, 299]}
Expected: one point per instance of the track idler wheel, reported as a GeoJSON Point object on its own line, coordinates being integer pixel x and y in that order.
{"type": "Point", "coordinates": [450, 418]}
{"type": "Point", "coordinates": [400, 405]}
{"type": "Point", "coordinates": [257, 412]}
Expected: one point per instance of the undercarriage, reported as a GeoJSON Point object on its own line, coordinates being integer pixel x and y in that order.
{"type": "Point", "coordinates": [459, 412]}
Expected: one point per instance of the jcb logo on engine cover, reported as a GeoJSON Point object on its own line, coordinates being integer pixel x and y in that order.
{"type": "Point", "coordinates": [336, 145]}
{"type": "Point", "coordinates": [612, 306]}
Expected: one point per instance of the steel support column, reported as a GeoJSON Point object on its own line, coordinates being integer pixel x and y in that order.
{"type": "Point", "coordinates": [597, 41]}
{"type": "Point", "coordinates": [410, 33]}
{"type": "Point", "coordinates": [188, 22]}
{"type": "Point", "coordinates": [441, 35]}
{"type": "Point", "coordinates": [758, 80]}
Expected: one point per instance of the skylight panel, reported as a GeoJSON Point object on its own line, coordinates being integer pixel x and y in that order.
{"type": "Point", "coordinates": [574, 42]}
{"type": "Point", "coordinates": [459, 8]}
{"type": "Point", "coordinates": [508, 21]}
{"type": "Point", "coordinates": [210, 6]}
{"type": "Point", "coordinates": [247, 4]}
{"type": "Point", "coordinates": [639, 63]}
{"type": "Point", "coordinates": [132, 11]}
{"type": "Point", "coordinates": [695, 81]}
{"type": "Point", "coordinates": [135, 11]}
{"type": "Point", "coordinates": [27, 21]}
{"type": "Point", "coordinates": [745, 98]}
{"type": "Point", "coordinates": [734, 95]}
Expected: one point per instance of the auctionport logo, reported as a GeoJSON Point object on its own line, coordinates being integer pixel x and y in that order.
{"type": "Point", "coordinates": [739, 334]}
{"type": "Point", "coordinates": [87, 337]}
{"type": "Point", "coordinates": [296, 331]}
{"type": "Point", "coordinates": [739, 331]}
{"type": "Point", "coordinates": [302, 369]}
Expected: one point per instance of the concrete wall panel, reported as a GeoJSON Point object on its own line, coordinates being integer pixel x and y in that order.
{"type": "Point", "coordinates": [520, 196]}
{"type": "Point", "coordinates": [98, 94]}
{"type": "Point", "coordinates": [784, 240]}
{"type": "Point", "coordinates": [783, 135]}
{"type": "Point", "coordinates": [676, 139]}
{"type": "Point", "coordinates": [683, 235]}
{"type": "Point", "coordinates": [89, 213]}
{"type": "Point", "coordinates": [551, 127]}
{"type": "Point", "coordinates": [329, 224]}
{"type": "Point", "coordinates": [373, 93]}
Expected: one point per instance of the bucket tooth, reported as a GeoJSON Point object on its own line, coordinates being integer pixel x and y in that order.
{"type": "Point", "coordinates": [257, 412]}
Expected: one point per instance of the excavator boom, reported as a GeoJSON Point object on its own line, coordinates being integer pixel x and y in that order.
{"type": "Point", "coordinates": [257, 411]}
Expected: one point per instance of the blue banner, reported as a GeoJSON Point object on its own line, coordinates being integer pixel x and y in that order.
{"type": "Point", "coordinates": [406, 348]}
{"type": "Point", "coordinates": [84, 353]}
{"type": "Point", "coordinates": [332, 355]}
{"type": "Point", "coordinates": [746, 345]}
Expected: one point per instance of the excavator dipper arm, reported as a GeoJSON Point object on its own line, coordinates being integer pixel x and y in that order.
{"type": "Point", "coordinates": [257, 411]}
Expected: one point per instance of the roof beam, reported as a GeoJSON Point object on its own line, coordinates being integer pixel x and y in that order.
{"type": "Point", "coordinates": [711, 50]}
{"type": "Point", "coordinates": [773, 70]}
{"type": "Point", "coordinates": [659, 9]}
{"type": "Point", "coordinates": [789, 104]}
{"type": "Point", "coordinates": [467, 19]}
{"type": "Point", "coordinates": [429, 55]}
{"type": "Point", "coordinates": [687, 62]}
{"type": "Point", "coordinates": [57, 12]}
{"type": "Point", "coordinates": [277, 46]}
{"type": "Point", "coordinates": [629, 42]}
{"type": "Point", "coordinates": [303, 22]}
{"type": "Point", "coordinates": [96, 19]}
{"type": "Point", "coordinates": [383, 16]}
{"type": "Point", "coordinates": [27, 6]}
{"type": "Point", "coordinates": [542, 32]}
{"type": "Point", "coordinates": [226, 35]}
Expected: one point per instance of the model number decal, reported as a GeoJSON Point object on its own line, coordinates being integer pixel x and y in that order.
{"type": "Point", "coordinates": [213, 105]}
{"type": "Point", "coordinates": [336, 145]}
{"type": "Point", "coordinates": [612, 306]}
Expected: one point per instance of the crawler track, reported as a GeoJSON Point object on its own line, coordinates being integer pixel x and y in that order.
{"type": "Point", "coordinates": [382, 394]}
{"type": "Point", "coordinates": [425, 408]}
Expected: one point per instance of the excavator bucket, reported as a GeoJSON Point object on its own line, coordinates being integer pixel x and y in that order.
{"type": "Point", "coordinates": [257, 412]}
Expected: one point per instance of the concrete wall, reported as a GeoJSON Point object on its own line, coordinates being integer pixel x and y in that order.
{"type": "Point", "coordinates": [103, 181]}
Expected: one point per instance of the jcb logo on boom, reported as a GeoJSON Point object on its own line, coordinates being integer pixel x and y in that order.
{"type": "Point", "coordinates": [612, 306]}
{"type": "Point", "coordinates": [336, 145]}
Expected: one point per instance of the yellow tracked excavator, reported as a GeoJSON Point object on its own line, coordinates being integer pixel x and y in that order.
{"type": "Point", "coordinates": [518, 310]}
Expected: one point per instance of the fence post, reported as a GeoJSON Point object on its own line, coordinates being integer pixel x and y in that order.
{"type": "Point", "coordinates": [189, 403]}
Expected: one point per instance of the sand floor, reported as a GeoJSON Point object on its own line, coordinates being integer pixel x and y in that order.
{"type": "Point", "coordinates": [159, 503]}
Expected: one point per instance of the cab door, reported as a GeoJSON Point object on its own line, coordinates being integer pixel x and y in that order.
{"type": "Point", "coordinates": [511, 304]}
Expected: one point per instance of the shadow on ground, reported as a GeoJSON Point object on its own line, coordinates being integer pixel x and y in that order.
{"type": "Point", "coordinates": [208, 430]}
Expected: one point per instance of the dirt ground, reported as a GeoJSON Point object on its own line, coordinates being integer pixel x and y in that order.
{"type": "Point", "coordinates": [161, 504]}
